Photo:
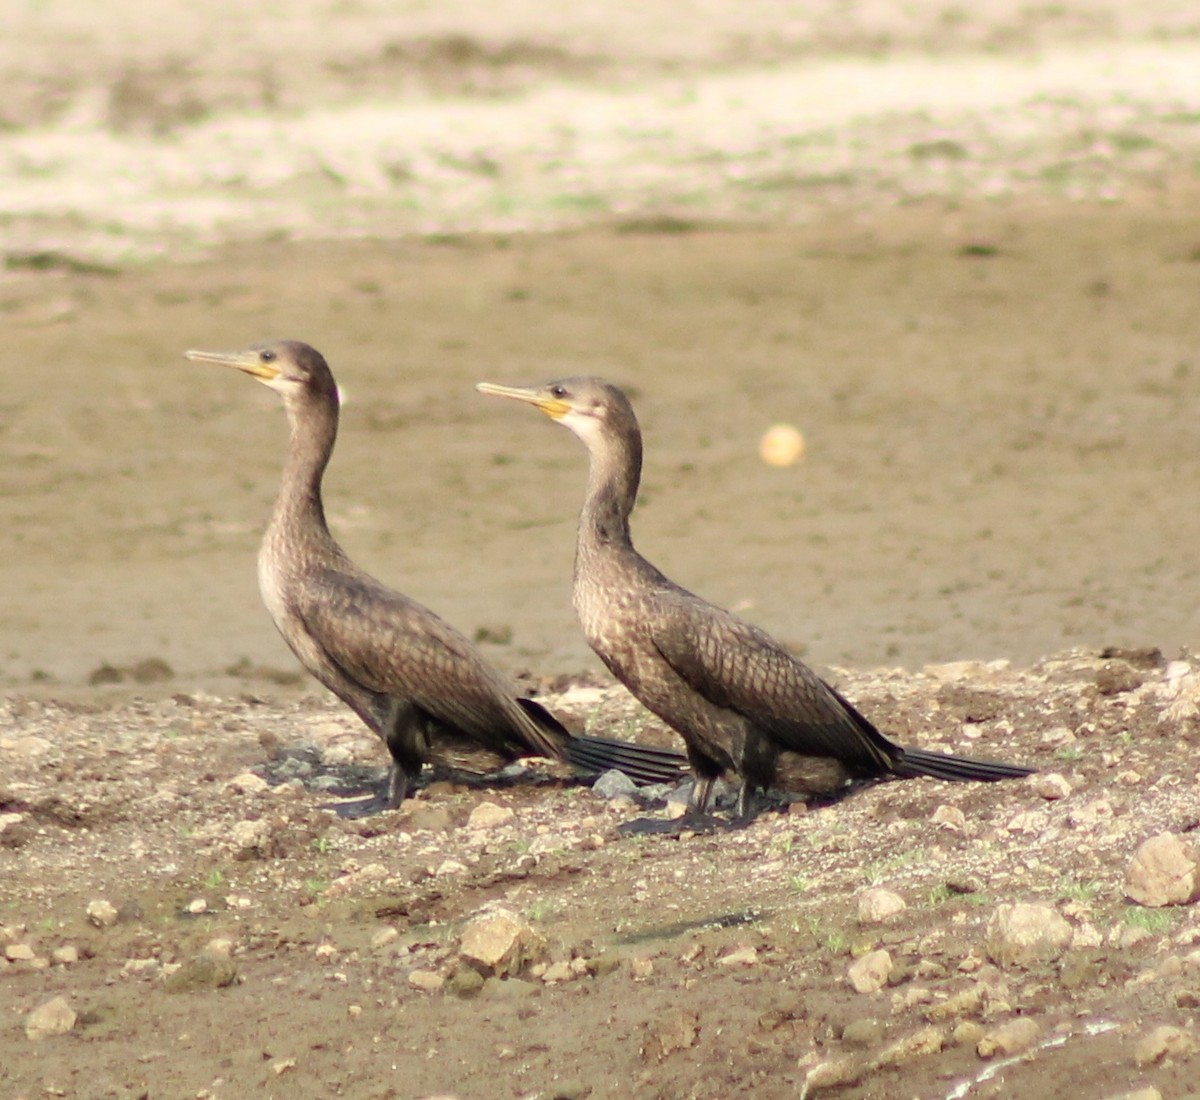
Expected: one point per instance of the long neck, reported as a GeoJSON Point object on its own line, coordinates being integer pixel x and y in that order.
{"type": "Point", "coordinates": [298, 510]}
{"type": "Point", "coordinates": [614, 472]}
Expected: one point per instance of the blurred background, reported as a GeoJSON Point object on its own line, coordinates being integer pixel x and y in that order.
{"type": "Point", "coordinates": [954, 246]}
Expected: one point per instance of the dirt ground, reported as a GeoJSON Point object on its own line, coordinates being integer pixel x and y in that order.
{"type": "Point", "coordinates": [979, 309]}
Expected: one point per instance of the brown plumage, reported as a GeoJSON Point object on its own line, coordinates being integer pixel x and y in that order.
{"type": "Point", "coordinates": [740, 701]}
{"type": "Point", "coordinates": [421, 686]}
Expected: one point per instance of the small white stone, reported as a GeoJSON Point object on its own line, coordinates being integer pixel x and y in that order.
{"type": "Point", "coordinates": [877, 905]}
{"type": "Point", "coordinates": [743, 956]}
{"type": "Point", "coordinates": [54, 1017]}
{"type": "Point", "coordinates": [101, 913]}
{"type": "Point", "coordinates": [1164, 871]}
{"type": "Point", "coordinates": [1049, 785]}
{"type": "Point", "coordinates": [428, 981]}
{"type": "Point", "coordinates": [247, 783]}
{"type": "Point", "coordinates": [489, 815]}
{"type": "Point", "coordinates": [870, 973]}
{"type": "Point", "coordinates": [949, 817]}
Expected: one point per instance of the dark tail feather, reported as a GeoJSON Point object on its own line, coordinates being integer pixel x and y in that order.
{"type": "Point", "coordinates": [956, 769]}
{"type": "Point", "coordinates": [642, 763]}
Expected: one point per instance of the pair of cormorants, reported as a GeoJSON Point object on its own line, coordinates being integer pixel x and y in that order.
{"type": "Point", "coordinates": [741, 703]}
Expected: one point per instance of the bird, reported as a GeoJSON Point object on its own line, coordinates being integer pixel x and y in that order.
{"type": "Point", "coordinates": [741, 702]}
{"type": "Point", "coordinates": [414, 680]}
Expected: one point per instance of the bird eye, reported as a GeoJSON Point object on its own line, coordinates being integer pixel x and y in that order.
{"type": "Point", "coordinates": [558, 391]}
{"type": "Point", "coordinates": [266, 356]}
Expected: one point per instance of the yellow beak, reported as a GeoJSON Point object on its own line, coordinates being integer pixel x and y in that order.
{"type": "Point", "coordinates": [247, 361]}
{"type": "Point", "coordinates": [551, 406]}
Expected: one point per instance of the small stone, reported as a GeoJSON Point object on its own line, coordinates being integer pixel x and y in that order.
{"type": "Point", "coordinates": [863, 1033]}
{"type": "Point", "coordinates": [670, 1032]}
{"type": "Point", "coordinates": [500, 942]}
{"type": "Point", "coordinates": [1161, 1043]}
{"type": "Point", "coordinates": [929, 1040]}
{"type": "Point", "coordinates": [641, 969]}
{"type": "Point", "coordinates": [1012, 1037]}
{"type": "Point", "coordinates": [1149, 1093]}
{"type": "Point", "coordinates": [1025, 935]}
{"type": "Point", "coordinates": [832, 1074]}
{"type": "Point", "coordinates": [202, 972]}
{"type": "Point", "coordinates": [557, 972]}
{"type": "Point", "coordinates": [742, 956]}
{"type": "Point", "coordinates": [101, 913]}
{"type": "Point", "coordinates": [428, 981]}
{"type": "Point", "coordinates": [247, 783]}
{"type": "Point", "coordinates": [877, 905]}
{"type": "Point", "coordinates": [450, 867]}
{"type": "Point", "coordinates": [65, 956]}
{"type": "Point", "coordinates": [614, 784]}
{"type": "Point", "coordinates": [384, 937]}
{"type": "Point", "coordinates": [870, 973]}
{"type": "Point", "coordinates": [54, 1017]}
{"type": "Point", "coordinates": [966, 1002]}
{"type": "Point", "coordinates": [1163, 872]}
{"type": "Point", "coordinates": [968, 1033]}
{"type": "Point", "coordinates": [489, 815]}
{"type": "Point", "coordinates": [1049, 785]}
{"type": "Point", "coordinates": [433, 819]}
{"type": "Point", "coordinates": [466, 982]}
{"type": "Point", "coordinates": [18, 952]}
{"type": "Point", "coordinates": [949, 817]}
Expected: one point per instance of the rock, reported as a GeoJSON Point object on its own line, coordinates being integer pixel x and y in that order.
{"type": "Point", "coordinates": [465, 982]}
{"type": "Point", "coordinates": [968, 1033]}
{"type": "Point", "coordinates": [863, 1033]}
{"type": "Point", "coordinates": [833, 1074]}
{"type": "Point", "coordinates": [877, 905]}
{"type": "Point", "coordinates": [203, 971]}
{"type": "Point", "coordinates": [54, 1017]}
{"type": "Point", "coordinates": [1049, 785]}
{"type": "Point", "coordinates": [966, 1002]}
{"type": "Point", "coordinates": [558, 972]}
{"type": "Point", "coordinates": [489, 815]}
{"type": "Point", "coordinates": [929, 1040]}
{"type": "Point", "coordinates": [870, 973]}
{"type": "Point", "coordinates": [66, 955]}
{"type": "Point", "coordinates": [428, 981]}
{"type": "Point", "coordinates": [499, 942]}
{"type": "Point", "coordinates": [1024, 935]}
{"type": "Point", "coordinates": [742, 956]}
{"type": "Point", "coordinates": [249, 839]}
{"type": "Point", "coordinates": [949, 817]}
{"type": "Point", "coordinates": [101, 913]}
{"type": "Point", "coordinates": [247, 783]}
{"type": "Point", "coordinates": [1163, 872]}
{"type": "Point", "coordinates": [1161, 1043]}
{"type": "Point", "coordinates": [670, 1032]}
{"type": "Point", "coordinates": [1013, 1037]}
{"type": "Point", "coordinates": [641, 969]}
{"type": "Point", "coordinates": [1149, 1093]}
{"type": "Point", "coordinates": [18, 952]}
{"type": "Point", "coordinates": [434, 819]}
{"type": "Point", "coordinates": [614, 784]}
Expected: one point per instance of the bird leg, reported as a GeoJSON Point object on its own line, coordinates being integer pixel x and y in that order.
{"type": "Point", "coordinates": [404, 731]}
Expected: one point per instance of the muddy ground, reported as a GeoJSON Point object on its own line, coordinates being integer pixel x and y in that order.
{"type": "Point", "coordinates": [980, 310]}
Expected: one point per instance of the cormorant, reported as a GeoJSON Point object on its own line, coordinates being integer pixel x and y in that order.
{"type": "Point", "coordinates": [421, 686]}
{"type": "Point", "coordinates": [739, 700]}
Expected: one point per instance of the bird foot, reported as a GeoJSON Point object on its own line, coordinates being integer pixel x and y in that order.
{"type": "Point", "coordinates": [696, 823]}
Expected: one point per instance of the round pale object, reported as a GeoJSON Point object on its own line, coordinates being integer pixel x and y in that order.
{"type": "Point", "coordinates": [781, 445]}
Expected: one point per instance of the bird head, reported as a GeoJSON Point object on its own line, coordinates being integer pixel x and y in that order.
{"type": "Point", "coordinates": [289, 367]}
{"type": "Point", "coordinates": [589, 407]}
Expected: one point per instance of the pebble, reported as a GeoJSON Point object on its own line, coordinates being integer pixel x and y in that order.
{"type": "Point", "coordinates": [101, 913]}
{"type": "Point", "coordinates": [428, 981]}
{"type": "Point", "coordinates": [500, 942]}
{"type": "Point", "coordinates": [203, 971]}
{"type": "Point", "coordinates": [966, 1002]}
{"type": "Point", "coordinates": [18, 952]}
{"type": "Point", "coordinates": [863, 1033]}
{"type": "Point", "coordinates": [558, 972]}
{"type": "Point", "coordinates": [1049, 785]}
{"type": "Point", "coordinates": [641, 969]}
{"type": "Point", "coordinates": [877, 905]}
{"type": "Point", "coordinates": [1012, 1037]}
{"type": "Point", "coordinates": [870, 973]}
{"type": "Point", "coordinates": [53, 1017]}
{"type": "Point", "coordinates": [1025, 935]}
{"type": "Point", "coordinates": [949, 817]}
{"type": "Point", "coordinates": [1163, 872]}
{"type": "Point", "coordinates": [929, 1040]}
{"type": "Point", "coordinates": [66, 955]}
{"type": "Point", "coordinates": [670, 1032]}
{"type": "Point", "coordinates": [1161, 1043]}
{"type": "Point", "coordinates": [614, 784]}
{"type": "Point", "coordinates": [489, 815]}
{"type": "Point", "coordinates": [742, 956]}
{"type": "Point", "coordinates": [247, 783]}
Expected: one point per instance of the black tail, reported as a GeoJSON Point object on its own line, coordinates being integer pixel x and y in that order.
{"type": "Point", "coordinates": [909, 763]}
{"type": "Point", "coordinates": [642, 763]}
